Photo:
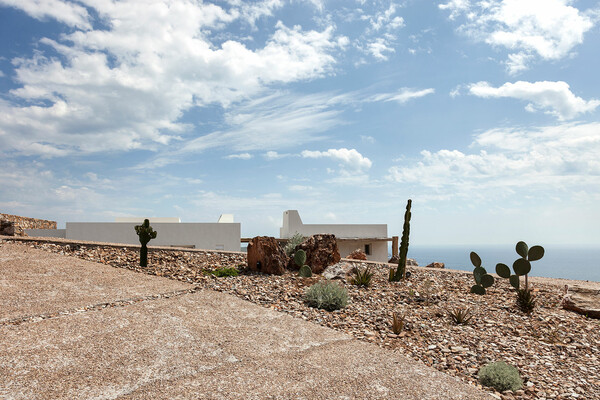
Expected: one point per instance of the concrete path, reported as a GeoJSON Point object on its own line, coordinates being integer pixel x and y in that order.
{"type": "Point", "coordinates": [71, 329]}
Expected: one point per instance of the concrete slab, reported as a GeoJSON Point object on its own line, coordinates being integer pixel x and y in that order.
{"type": "Point", "coordinates": [202, 345]}
{"type": "Point", "coordinates": [34, 282]}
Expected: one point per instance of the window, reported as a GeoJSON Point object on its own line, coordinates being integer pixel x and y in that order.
{"type": "Point", "coordinates": [368, 249]}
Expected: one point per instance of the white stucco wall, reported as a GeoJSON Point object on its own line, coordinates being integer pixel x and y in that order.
{"type": "Point", "coordinates": [379, 248]}
{"type": "Point", "coordinates": [208, 236]}
{"type": "Point", "coordinates": [292, 224]}
{"type": "Point", "coordinates": [56, 233]}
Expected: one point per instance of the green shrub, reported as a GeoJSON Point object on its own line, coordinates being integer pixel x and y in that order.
{"type": "Point", "coordinates": [361, 277]}
{"type": "Point", "coordinates": [500, 376]}
{"type": "Point", "coordinates": [221, 272]}
{"type": "Point", "coordinates": [460, 316]}
{"type": "Point", "coordinates": [291, 244]}
{"type": "Point", "coordinates": [525, 300]}
{"type": "Point", "coordinates": [326, 295]}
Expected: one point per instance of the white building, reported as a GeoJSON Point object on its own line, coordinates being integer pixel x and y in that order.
{"type": "Point", "coordinates": [370, 238]}
{"type": "Point", "coordinates": [222, 235]}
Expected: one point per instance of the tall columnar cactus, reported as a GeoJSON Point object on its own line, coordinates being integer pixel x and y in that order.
{"type": "Point", "coordinates": [482, 278]}
{"type": "Point", "coordinates": [401, 270]}
{"type": "Point", "coordinates": [145, 234]}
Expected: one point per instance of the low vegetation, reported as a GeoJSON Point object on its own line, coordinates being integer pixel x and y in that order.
{"type": "Point", "coordinates": [224, 272]}
{"type": "Point", "coordinates": [500, 376]}
{"type": "Point", "coordinates": [326, 295]}
{"type": "Point", "coordinates": [361, 276]}
{"type": "Point", "coordinates": [291, 244]}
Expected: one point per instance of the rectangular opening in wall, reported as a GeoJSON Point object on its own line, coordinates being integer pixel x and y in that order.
{"type": "Point", "coordinates": [368, 249]}
{"type": "Point", "coordinates": [220, 247]}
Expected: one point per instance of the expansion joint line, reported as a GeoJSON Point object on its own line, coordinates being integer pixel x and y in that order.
{"type": "Point", "coordinates": [97, 307]}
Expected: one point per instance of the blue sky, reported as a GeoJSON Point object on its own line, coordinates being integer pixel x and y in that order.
{"type": "Point", "coordinates": [485, 113]}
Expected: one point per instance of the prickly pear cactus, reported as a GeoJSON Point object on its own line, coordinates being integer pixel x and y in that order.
{"type": "Point", "coordinates": [145, 234]}
{"type": "Point", "coordinates": [305, 271]}
{"type": "Point", "coordinates": [300, 258]}
{"type": "Point", "coordinates": [482, 278]}
{"type": "Point", "coordinates": [521, 266]}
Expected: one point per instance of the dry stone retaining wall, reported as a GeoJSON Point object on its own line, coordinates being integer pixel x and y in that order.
{"type": "Point", "coordinates": [21, 223]}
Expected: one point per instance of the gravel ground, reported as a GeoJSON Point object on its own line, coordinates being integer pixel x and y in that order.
{"type": "Point", "coordinates": [556, 351]}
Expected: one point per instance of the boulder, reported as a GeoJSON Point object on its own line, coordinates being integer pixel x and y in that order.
{"type": "Point", "coordinates": [357, 254]}
{"type": "Point", "coordinates": [7, 228]}
{"type": "Point", "coordinates": [410, 262]}
{"type": "Point", "coordinates": [321, 252]}
{"type": "Point", "coordinates": [436, 265]}
{"type": "Point", "coordinates": [338, 271]}
{"type": "Point", "coordinates": [582, 300]}
{"type": "Point", "coordinates": [265, 255]}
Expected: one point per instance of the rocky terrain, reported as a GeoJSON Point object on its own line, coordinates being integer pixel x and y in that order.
{"type": "Point", "coordinates": [556, 351]}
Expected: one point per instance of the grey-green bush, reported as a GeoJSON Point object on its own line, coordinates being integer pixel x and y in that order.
{"type": "Point", "coordinates": [326, 295]}
{"type": "Point", "coordinates": [292, 243]}
{"type": "Point", "coordinates": [500, 376]}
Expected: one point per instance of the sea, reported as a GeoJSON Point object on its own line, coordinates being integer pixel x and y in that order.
{"type": "Point", "coordinates": [580, 263]}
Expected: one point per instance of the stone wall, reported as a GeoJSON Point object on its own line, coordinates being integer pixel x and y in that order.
{"type": "Point", "coordinates": [16, 225]}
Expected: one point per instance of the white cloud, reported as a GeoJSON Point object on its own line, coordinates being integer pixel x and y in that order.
{"type": "Point", "coordinates": [279, 120]}
{"type": "Point", "coordinates": [127, 85]}
{"type": "Point", "coordinates": [385, 19]}
{"type": "Point", "coordinates": [549, 28]}
{"type": "Point", "coordinates": [378, 47]}
{"type": "Point", "coordinates": [241, 156]}
{"type": "Point", "coordinates": [403, 95]}
{"type": "Point", "coordinates": [456, 7]}
{"type": "Point", "coordinates": [367, 139]}
{"type": "Point", "coordinates": [273, 155]}
{"type": "Point", "coordinates": [65, 12]}
{"type": "Point", "coordinates": [517, 62]}
{"type": "Point", "coordinates": [551, 97]}
{"type": "Point", "coordinates": [350, 158]}
{"type": "Point", "coordinates": [561, 158]}
{"type": "Point", "coordinates": [380, 35]}
{"type": "Point", "coordinates": [300, 188]}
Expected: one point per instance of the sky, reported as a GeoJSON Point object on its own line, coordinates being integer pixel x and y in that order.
{"type": "Point", "coordinates": [485, 113]}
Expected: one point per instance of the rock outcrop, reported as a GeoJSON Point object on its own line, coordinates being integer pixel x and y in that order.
{"type": "Point", "coordinates": [265, 255]}
{"type": "Point", "coordinates": [338, 271]}
{"type": "Point", "coordinates": [22, 223]}
{"type": "Point", "coordinates": [410, 262]}
{"type": "Point", "coordinates": [357, 254]}
{"type": "Point", "coordinates": [436, 265]}
{"type": "Point", "coordinates": [583, 301]}
{"type": "Point", "coordinates": [321, 252]}
{"type": "Point", "coordinates": [7, 228]}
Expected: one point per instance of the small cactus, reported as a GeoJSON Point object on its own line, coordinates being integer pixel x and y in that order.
{"type": "Point", "coordinates": [482, 278]}
{"type": "Point", "coordinates": [300, 258]}
{"type": "Point", "coordinates": [522, 266]}
{"type": "Point", "coordinates": [145, 233]}
{"type": "Point", "coordinates": [305, 271]}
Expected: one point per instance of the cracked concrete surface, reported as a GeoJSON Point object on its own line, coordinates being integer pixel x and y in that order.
{"type": "Point", "coordinates": [194, 345]}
